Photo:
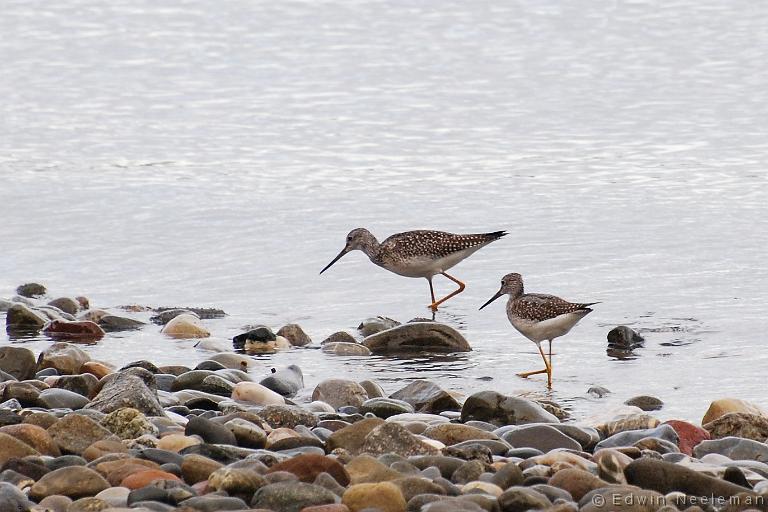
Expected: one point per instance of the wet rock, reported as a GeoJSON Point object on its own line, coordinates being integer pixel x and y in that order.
{"type": "Point", "coordinates": [646, 402]}
{"type": "Point", "coordinates": [185, 326]}
{"type": "Point", "coordinates": [277, 416]}
{"type": "Point", "coordinates": [723, 406]}
{"type": "Point", "coordinates": [54, 398]}
{"type": "Point", "coordinates": [520, 499]}
{"type": "Point", "coordinates": [373, 389]}
{"type": "Point", "coordinates": [240, 482]}
{"type": "Point", "coordinates": [31, 290]}
{"type": "Point", "coordinates": [469, 471]}
{"type": "Point", "coordinates": [339, 337]}
{"type": "Point", "coordinates": [498, 409]}
{"type": "Point", "coordinates": [734, 448]}
{"type": "Point", "coordinates": [72, 481]}
{"type": "Point", "coordinates": [128, 423]}
{"type": "Point", "coordinates": [66, 304]}
{"type": "Point", "coordinates": [426, 396]}
{"type": "Point", "coordinates": [286, 381]}
{"type": "Point", "coordinates": [295, 335]}
{"type": "Point", "coordinates": [508, 476]}
{"type": "Point", "coordinates": [83, 384]}
{"type": "Point", "coordinates": [210, 503]}
{"type": "Point", "coordinates": [413, 486]}
{"type": "Point", "coordinates": [113, 323]}
{"type": "Point", "coordinates": [75, 432]}
{"type": "Point", "coordinates": [393, 438]}
{"type": "Point", "coordinates": [689, 435]}
{"type": "Point", "coordinates": [21, 318]}
{"type": "Point", "coordinates": [93, 315]}
{"type": "Point", "coordinates": [377, 324]}
{"type": "Point", "coordinates": [345, 349]}
{"type": "Point", "coordinates": [598, 391]}
{"type": "Point", "coordinates": [18, 361]}
{"type": "Point", "coordinates": [291, 496]}
{"type": "Point", "coordinates": [166, 315]}
{"type": "Point", "coordinates": [142, 478]}
{"type": "Point", "coordinates": [255, 393]}
{"type": "Point", "coordinates": [627, 421]}
{"type": "Point", "coordinates": [385, 407]}
{"type": "Point", "coordinates": [196, 468]}
{"type": "Point", "coordinates": [63, 357]}
{"type": "Point", "coordinates": [308, 467]}
{"type": "Point", "coordinates": [365, 468]}
{"type": "Point", "coordinates": [233, 360]}
{"type": "Point", "coordinates": [259, 335]}
{"type": "Point", "coordinates": [624, 339]}
{"type": "Point", "coordinates": [384, 496]}
{"type": "Point", "coordinates": [247, 434]}
{"type": "Point", "coordinates": [340, 392]}
{"type": "Point", "coordinates": [134, 387]}
{"type": "Point", "coordinates": [739, 424]}
{"type": "Point", "coordinates": [417, 337]}
{"type": "Point", "coordinates": [630, 437]}
{"type": "Point", "coordinates": [542, 437]}
{"type": "Point", "coordinates": [665, 477]}
{"type": "Point", "coordinates": [454, 433]}
{"type": "Point", "coordinates": [82, 330]}
{"type": "Point", "coordinates": [34, 436]}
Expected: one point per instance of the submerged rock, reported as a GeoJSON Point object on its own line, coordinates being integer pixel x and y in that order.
{"type": "Point", "coordinates": [624, 339]}
{"type": "Point", "coordinates": [646, 402]}
{"type": "Point", "coordinates": [295, 335]}
{"type": "Point", "coordinates": [185, 326]}
{"type": "Point", "coordinates": [66, 304]}
{"type": "Point", "coordinates": [21, 318]}
{"type": "Point", "coordinates": [83, 330]}
{"type": "Point", "coordinates": [418, 337]}
{"type": "Point", "coordinates": [31, 290]}
{"type": "Point", "coordinates": [113, 323]}
{"type": "Point", "coordinates": [376, 324]}
{"type": "Point", "coordinates": [346, 349]}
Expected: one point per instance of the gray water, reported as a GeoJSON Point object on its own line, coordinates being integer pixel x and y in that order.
{"type": "Point", "coordinates": [217, 153]}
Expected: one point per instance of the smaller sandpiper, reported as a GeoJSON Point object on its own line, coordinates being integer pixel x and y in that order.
{"type": "Point", "coordinates": [539, 316]}
{"type": "Point", "coordinates": [420, 253]}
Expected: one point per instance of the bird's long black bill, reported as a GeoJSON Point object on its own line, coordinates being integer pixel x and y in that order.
{"type": "Point", "coordinates": [498, 294]}
{"type": "Point", "coordinates": [337, 258]}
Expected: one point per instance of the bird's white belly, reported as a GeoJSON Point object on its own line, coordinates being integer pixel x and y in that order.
{"type": "Point", "coordinates": [546, 329]}
{"type": "Point", "coordinates": [424, 266]}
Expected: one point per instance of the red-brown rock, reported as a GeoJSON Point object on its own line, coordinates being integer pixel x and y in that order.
{"type": "Point", "coordinates": [144, 478]}
{"type": "Point", "coordinates": [307, 467]}
{"type": "Point", "coordinates": [689, 435]}
{"type": "Point", "coordinates": [83, 330]}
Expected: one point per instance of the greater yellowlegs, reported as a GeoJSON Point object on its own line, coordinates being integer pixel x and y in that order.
{"type": "Point", "coordinates": [418, 253]}
{"type": "Point", "coordinates": [539, 317]}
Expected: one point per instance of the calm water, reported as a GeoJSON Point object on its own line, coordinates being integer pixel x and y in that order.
{"type": "Point", "coordinates": [216, 154]}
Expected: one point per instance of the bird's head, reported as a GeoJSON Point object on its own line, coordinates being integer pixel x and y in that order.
{"type": "Point", "coordinates": [359, 239]}
{"type": "Point", "coordinates": [511, 284]}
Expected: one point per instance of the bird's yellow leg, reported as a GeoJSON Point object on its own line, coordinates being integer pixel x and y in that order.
{"type": "Point", "coordinates": [434, 304]}
{"type": "Point", "coordinates": [547, 370]}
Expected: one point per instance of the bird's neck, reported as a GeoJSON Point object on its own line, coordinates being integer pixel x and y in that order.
{"type": "Point", "coordinates": [370, 246]}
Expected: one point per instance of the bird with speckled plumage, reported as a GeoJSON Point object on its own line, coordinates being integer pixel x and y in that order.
{"type": "Point", "coordinates": [539, 316]}
{"type": "Point", "coordinates": [421, 253]}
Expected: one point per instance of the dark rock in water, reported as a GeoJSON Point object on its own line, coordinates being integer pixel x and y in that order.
{"type": "Point", "coordinates": [66, 304]}
{"type": "Point", "coordinates": [417, 337]}
{"type": "Point", "coordinates": [83, 330]}
{"type": "Point", "coordinates": [291, 496]}
{"type": "Point", "coordinates": [623, 339]}
{"type": "Point", "coordinates": [426, 396]}
{"type": "Point", "coordinates": [739, 424]}
{"type": "Point", "coordinates": [339, 337]}
{"type": "Point", "coordinates": [167, 315]}
{"type": "Point", "coordinates": [295, 335]}
{"type": "Point", "coordinates": [202, 313]}
{"type": "Point", "coordinates": [134, 387]}
{"type": "Point", "coordinates": [666, 477]}
{"type": "Point", "coordinates": [31, 290]}
{"type": "Point", "coordinates": [735, 448]}
{"type": "Point", "coordinates": [598, 391]}
{"type": "Point", "coordinates": [22, 319]}
{"type": "Point", "coordinates": [112, 323]}
{"type": "Point", "coordinates": [646, 402]}
{"type": "Point", "coordinates": [259, 334]}
{"type": "Point", "coordinates": [500, 410]}
{"type": "Point", "coordinates": [18, 361]}
{"type": "Point", "coordinates": [210, 432]}
{"type": "Point", "coordinates": [371, 326]}
{"type": "Point", "coordinates": [286, 381]}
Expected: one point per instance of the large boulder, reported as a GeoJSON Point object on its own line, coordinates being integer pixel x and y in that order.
{"type": "Point", "coordinates": [132, 387]}
{"type": "Point", "coordinates": [417, 337]}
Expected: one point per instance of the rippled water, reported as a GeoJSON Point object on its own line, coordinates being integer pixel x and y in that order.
{"type": "Point", "coordinates": [195, 153]}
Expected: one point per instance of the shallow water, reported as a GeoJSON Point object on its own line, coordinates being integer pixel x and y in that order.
{"type": "Point", "coordinates": [196, 154]}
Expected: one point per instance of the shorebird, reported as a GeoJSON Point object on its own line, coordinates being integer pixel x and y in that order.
{"type": "Point", "coordinates": [420, 253]}
{"type": "Point", "coordinates": [539, 317]}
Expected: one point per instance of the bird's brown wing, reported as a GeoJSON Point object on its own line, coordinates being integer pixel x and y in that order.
{"type": "Point", "coordinates": [539, 306]}
{"type": "Point", "coordinates": [435, 243]}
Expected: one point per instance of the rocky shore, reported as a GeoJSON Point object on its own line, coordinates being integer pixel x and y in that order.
{"type": "Point", "coordinates": [79, 435]}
